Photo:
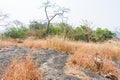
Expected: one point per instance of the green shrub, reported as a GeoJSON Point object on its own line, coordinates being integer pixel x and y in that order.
{"type": "Point", "coordinates": [103, 34]}
{"type": "Point", "coordinates": [37, 34]}
{"type": "Point", "coordinates": [66, 30]}
{"type": "Point", "coordinates": [54, 30]}
{"type": "Point", "coordinates": [37, 25]}
{"type": "Point", "coordinates": [83, 33]}
{"type": "Point", "coordinates": [87, 34]}
{"type": "Point", "coordinates": [38, 30]}
{"type": "Point", "coordinates": [16, 33]}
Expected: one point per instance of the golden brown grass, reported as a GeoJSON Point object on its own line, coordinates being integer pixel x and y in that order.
{"type": "Point", "coordinates": [106, 51]}
{"type": "Point", "coordinates": [82, 60]}
{"type": "Point", "coordinates": [61, 45]}
{"type": "Point", "coordinates": [7, 43]}
{"type": "Point", "coordinates": [87, 62]}
{"type": "Point", "coordinates": [76, 72]}
{"type": "Point", "coordinates": [22, 70]}
{"type": "Point", "coordinates": [82, 54]}
{"type": "Point", "coordinates": [29, 43]}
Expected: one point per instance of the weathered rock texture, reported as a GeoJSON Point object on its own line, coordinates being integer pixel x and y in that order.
{"type": "Point", "coordinates": [52, 62]}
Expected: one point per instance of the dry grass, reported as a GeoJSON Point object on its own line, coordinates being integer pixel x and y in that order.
{"type": "Point", "coordinates": [82, 60]}
{"type": "Point", "coordinates": [82, 54]}
{"type": "Point", "coordinates": [87, 62]}
{"type": "Point", "coordinates": [22, 70]}
{"type": "Point", "coordinates": [7, 43]}
{"type": "Point", "coordinates": [106, 51]}
{"type": "Point", "coordinates": [76, 72]}
{"type": "Point", "coordinates": [29, 43]}
{"type": "Point", "coordinates": [61, 45]}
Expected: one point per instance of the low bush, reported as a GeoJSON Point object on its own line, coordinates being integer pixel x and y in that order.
{"type": "Point", "coordinates": [16, 33]}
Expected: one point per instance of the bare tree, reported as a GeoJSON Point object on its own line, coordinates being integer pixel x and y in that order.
{"type": "Point", "coordinates": [2, 17]}
{"type": "Point", "coordinates": [59, 11]}
{"type": "Point", "coordinates": [17, 23]}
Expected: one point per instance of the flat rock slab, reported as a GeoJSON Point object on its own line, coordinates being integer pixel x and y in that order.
{"type": "Point", "coordinates": [51, 61]}
{"type": "Point", "coordinates": [8, 54]}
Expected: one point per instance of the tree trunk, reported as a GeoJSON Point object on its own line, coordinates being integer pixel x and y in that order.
{"type": "Point", "coordinates": [48, 25]}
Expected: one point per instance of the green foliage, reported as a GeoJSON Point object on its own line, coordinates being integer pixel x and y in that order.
{"type": "Point", "coordinates": [61, 29]}
{"type": "Point", "coordinates": [54, 30]}
{"type": "Point", "coordinates": [82, 32]}
{"type": "Point", "coordinates": [103, 34]}
{"type": "Point", "coordinates": [36, 25]}
{"type": "Point", "coordinates": [37, 34]}
{"type": "Point", "coordinates": [36, 30]}
{"type": "Point", "coordinates": [87, 34]}
{"type": "Point", "coordinates": [16, 33]}
{"type": "Point", "coordinates": [65, 29]}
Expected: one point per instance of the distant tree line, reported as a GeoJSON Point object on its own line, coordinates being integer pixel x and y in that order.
{"type": "Point", "coordinates": [38, 30]}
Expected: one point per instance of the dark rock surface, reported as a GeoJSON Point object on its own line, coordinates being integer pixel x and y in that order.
{"type": "Point", "coordinates": [93, 75]}
{"type": "Point", "coordinates": [7, 54]}
{"type": "Point", "coordinates": [51, 61]}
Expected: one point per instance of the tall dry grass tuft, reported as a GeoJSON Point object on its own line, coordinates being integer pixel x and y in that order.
{"type": "Point", "coordinates": [105, 50]}
{"type": "Point", "coordinates": [82, 61]}
{"type": "Point", "coordinates": [81, 53]}
{"type": "Point", "coordinates": [22, 70]}
{"type": "Point", "coordinates": [62, 45]}
{"type": "Point", "coordinates": [85, 61]}
{"type": "Point", "coordinates": [30, 43]}
{"type": "Point", "coordinates": [7, 43]}
{"type": "Point", "coordinates": [108, 67]}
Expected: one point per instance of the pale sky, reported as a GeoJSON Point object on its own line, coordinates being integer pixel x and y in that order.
{"type": "Point", "coordinates": [102, 13]}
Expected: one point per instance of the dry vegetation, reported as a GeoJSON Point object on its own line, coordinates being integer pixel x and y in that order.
{"type": "Point", "coordinates": [22, 70]}
{"type": "Point", "coordinates": [106, 51]}
{"type": "Point", "coordinates": [85, 55]}
{"type": "Point", "coordinates": [29, 43]}
{"type": "Point", "coordinates": [82, 55]}
{"type": "Point", "coordinates": [6, 43]}
{"type": "Point", "coordinates": [87, 62]}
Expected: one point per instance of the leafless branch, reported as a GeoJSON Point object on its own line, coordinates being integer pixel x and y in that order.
{"type": "Point", "coordinates": [2, 18]}
{"type": "Point", "coordinates": [57, 12]}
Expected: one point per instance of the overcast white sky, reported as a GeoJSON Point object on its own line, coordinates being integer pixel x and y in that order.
{"type": "Point", "coordinates": [102, 13]}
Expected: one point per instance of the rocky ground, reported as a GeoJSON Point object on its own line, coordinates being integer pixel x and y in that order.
{"type": "Point", "coordinates": [51, 61]}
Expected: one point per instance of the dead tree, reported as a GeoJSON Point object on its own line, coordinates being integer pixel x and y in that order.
{"type": "Point", "coordinates": [17, 24]}
{"type": "Point", "coordinates": [57, 12]}
{"type": "Point", "coordinates": [2, 17]}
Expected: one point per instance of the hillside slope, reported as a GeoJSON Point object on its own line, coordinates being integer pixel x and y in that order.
{"type": "Point", "coordinates": [52, 63]}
